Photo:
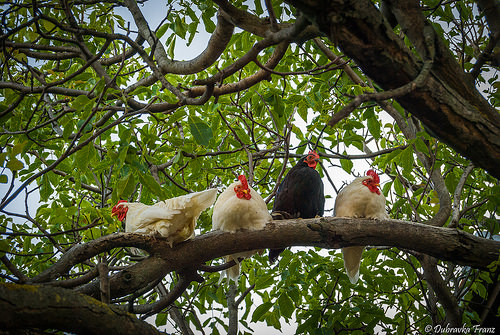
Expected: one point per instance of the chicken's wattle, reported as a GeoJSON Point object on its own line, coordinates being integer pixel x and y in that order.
{"type": "Point", "coordinates": [312, 159]}
{"type": "Point", "coordinates": [242, 191]}
{"type": "Point", "coordinates": [372, 183]}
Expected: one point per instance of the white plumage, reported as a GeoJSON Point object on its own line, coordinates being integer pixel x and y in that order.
{"type": "Point", "coordinates": [360, 199]}
{"type": "Point", "coordinates": [232, 213]}
{"type": "Point", "coordinates": [173, 218]}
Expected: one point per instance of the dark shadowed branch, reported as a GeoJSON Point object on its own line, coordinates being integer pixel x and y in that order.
{"type": "Point", "coordinates": [28, 306]}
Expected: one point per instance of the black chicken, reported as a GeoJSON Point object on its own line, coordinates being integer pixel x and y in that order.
{"type": "Point", "coordinates": [300, 195]}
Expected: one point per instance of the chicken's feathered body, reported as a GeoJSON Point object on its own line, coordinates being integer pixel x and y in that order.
{"type": "Point", "coordinates": [239, 207]}
{"type": "Point", "coordinates": [173, 218]}
{"type": "Point", "coordinates": [360, 199]}
{"type": "Point", "coordinates": [300, 194]}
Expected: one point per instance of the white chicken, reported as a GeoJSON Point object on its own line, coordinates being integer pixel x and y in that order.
{"type": "Point", "coordinates": [173, 218]}
{"type": "Point", "coordinates": [239, 207]}
{"type": "Point", "coordinates": [360, 199]}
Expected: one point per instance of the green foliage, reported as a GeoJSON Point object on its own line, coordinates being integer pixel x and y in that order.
{"type": "Point", "coordinates": [85, 146]}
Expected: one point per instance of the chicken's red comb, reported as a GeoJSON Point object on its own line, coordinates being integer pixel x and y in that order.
{"type": "Point", "coordinates": [374, 175]}
{"type": "Point", "coordinates": [314, 153]}
{"type": "Point", "coordinates": [244, 182]}
{"type": "Point", "coordinates": [115, 207]}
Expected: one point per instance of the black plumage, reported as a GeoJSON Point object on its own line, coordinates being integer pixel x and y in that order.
{"type": "Point", "coordinates": [300, 195]}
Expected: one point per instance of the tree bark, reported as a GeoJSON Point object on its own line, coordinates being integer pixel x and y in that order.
{"type": "Point", "coordinates": [28, 306]}
{"type": "Point", "coordinates": [232, 309]}
{"type": "Point", "coordinates": [328, 232]}
{"type": "Point", "coordinates": [448, 103]}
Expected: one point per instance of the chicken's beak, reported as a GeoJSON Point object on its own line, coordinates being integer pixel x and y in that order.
{"type": "Point", "coordinates": [113, 214]}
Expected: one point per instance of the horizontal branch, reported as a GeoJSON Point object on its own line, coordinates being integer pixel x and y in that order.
{"type": "Point", "coordinates": [329, 232]}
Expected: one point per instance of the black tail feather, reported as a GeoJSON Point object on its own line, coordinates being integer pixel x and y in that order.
{"type": "Point", "coordinates": [275, 253]}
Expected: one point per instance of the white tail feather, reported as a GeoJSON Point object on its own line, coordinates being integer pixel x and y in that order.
{"type": "Point", "coordinates": [352, 260]}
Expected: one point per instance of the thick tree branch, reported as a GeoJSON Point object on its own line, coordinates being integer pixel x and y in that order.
{"type": "Point", "coordinates": [28, 306]}
{"type": "Point", "coordinates": [284, 35]}
{"type": "Point", "coordinates": [443, 243]}
{"type": "Point", "coordinates": [216, 45]}
{"type": "Point", "coordinates": [261, 27]}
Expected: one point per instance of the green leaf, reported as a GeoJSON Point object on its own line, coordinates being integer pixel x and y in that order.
{"type": "Point", "coordinates": [260, 311]}
{"type": "Point", "coordinates": [80, 102]}
{"type": "Point", "coordinates": [374, 126]}
{"type": "Point", "coordinates": [140, 90]}
{"type": "Point", "coordinates": [421, 146]}
{"type": "Point", "coordinates": [14, 164]}
{"type": "Point", "coordinates": [3, 179]}
{"type": "Point", "coordinates": [3, 155]}
{"type": "Point", "coordinates": [48, 25]}
{"type": "Point", "coordinates": [258, 7]}
{"type": "Point", "coordinates": [209, 24]}
{"type": "Point", "coordinates": [4, 246]}
{"type": "Point", "coordinates": [162, 30]}
{"type": "Point", "coordinates": [346, 164]}
{"type": "Point", "coordinates": [84, 156]}
{"type": "Point", "coordinates": [45, 188]}
{"type": "Point", "coordinates": [451, 181]}
{"type": "Point", "coordinates": [125, 186]}
{"type": "Point", "coordinates": [201, 132]}
{"type": "Point", "coordinates": [179, 28]}
{"type": "Point", "coordinates": [161, 319]}
{"type": "Point", "coordinates": [264, 281]}
{"type": "Point", "coordinates": [68, 128]}
{"type": "Point", "coordinates": [406, 159]}
{"type": "Point", "coordinates": [148, 181]}
{"type": "Point", "coordinates": [18, 148]}
{"type": "Point", "coordinates": [171, 46]}
{"type": "Point", "coordinates": [83, 76]}
{"type": "Point", "coordinates": [286, 305]}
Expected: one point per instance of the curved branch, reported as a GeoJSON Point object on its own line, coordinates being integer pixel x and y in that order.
{"type": "Point", "coordinates": [245, 83]}
{"type": "Point", "coordinates": [81, 252]}
{"type": "Point", "coordinates": [284, 35]}
{"type": "Point", "coordinates": [186, 278]}
{"type": "Point", "coordinates": [216, 45]}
